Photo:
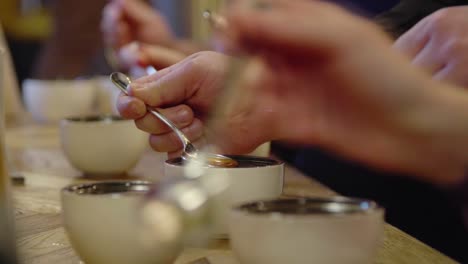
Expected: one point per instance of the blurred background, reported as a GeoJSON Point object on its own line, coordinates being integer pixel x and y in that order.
{"type": "Point", "coordinates": [52, 39]}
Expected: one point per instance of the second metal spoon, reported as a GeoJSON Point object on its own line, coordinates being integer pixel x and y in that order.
{"type": "Point", "coordinates": [122, 81]}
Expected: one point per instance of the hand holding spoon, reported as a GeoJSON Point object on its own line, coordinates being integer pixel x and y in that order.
{"type": "Point", "coordinates": [190, 152]}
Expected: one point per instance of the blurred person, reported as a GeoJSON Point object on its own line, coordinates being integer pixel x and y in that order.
{"type": "Point", "coordinates": [438, 44]}
{"type": "Point", "coordinates": [126, 22]}
{"type": "Point", "coordinates": [25, 28]}
{"type": "Point", "coordinates": [163, 142]}
{"type": "Point", "coordinates": [75, 45]}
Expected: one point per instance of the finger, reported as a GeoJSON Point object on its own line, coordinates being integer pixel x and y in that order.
{"type": "Point", "coordinates": [429, 59]}
{"type": "Point", "coordinates": [414, 40]}
{"type": "Point", "coordinates": [130, 107]}
{"type": "Point", "coordinates": [266, 28]}
{"type": "Point", "coordinates": [129, 54]}
{"type": "Point", "coordinates": [159, 56]}
{"type": "Point", "coordinates": [110, 14]}
{"type": "Point", "coordinates": [110, 17]}
{"type": "Point", "coordinates": [169, 142]}
{"type": "Point", "coordinates": [137, 11]}
{"type": "Point", "coordinates": [453, 73]}
{"type": "Point", "coordinates": [169, 87]}
{"type": "Point", "coordinates": [181, 115]}
{"type": "Point", "coordinates": [154, 77]}
{"type": "Point", "coordinates": [123, 34]}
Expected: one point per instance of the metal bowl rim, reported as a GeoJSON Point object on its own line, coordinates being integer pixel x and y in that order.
{"type": "Point", "coordinates": [372, 206]}
{"type": "Point", "coordinates": [93, 119]}
{"type": "Point", "coordinates": [73, 189]}
{"type": "Point", "coordinates": [269, 162]}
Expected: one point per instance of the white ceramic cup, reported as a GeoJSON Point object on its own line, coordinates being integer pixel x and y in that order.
{"type": "Point", "coordinates": [103, 225]}
{"type": "Point", "coordinates": [302, 231]}
{"type": "Point", "coordinates": [255, 178]}
{"type": "Point", "coordinates": [107, 94]}
{"type": "Point", "coordinates": [49, 101]}
{"type": "Point", "coordinates": [102, 145]}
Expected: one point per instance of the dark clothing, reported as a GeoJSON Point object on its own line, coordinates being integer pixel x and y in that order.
{"type": "Point", "coordinates": [407, 13]}
{"type": "Point", "coordinates": [368, 8]}
{"type": "Point", "coordinates": [417, 208]}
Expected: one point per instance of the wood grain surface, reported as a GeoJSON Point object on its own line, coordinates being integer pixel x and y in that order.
{"type": "Point", "coordinates": [36, 152]}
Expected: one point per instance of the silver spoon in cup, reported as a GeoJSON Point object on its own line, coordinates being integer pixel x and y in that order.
{"type": "Point", "coordinates": [190, 152]}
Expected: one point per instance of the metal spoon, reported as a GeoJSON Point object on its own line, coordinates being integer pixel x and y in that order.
{"type": "Point", "coordinates": [122, 81]}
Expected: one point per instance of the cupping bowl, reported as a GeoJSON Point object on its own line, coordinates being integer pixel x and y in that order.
{"type": "Point", "coordinates": [306, 230]}
{"type": "Point", "coordinates": [255, 178]}
{"type": "Point", "coordinates": [103, 223]}
{"type": "Point", "coordinates": [102, 145]}
{"type": "Point", "coordinates": [49, 101]}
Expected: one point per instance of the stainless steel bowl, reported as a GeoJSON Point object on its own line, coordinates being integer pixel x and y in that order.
{"type": "Point", "coordinates": [306, 206]}
{"type": "Point", "coordinates": [103, 224]}
{"type": "Point", "coordinates": [94, 118]}
{"type": "Point", "coordinates": [243, 161]}
{"type": "Point", "coordinates": [109, 187]}
{"type": "Point", "coordinates": [306, 230]}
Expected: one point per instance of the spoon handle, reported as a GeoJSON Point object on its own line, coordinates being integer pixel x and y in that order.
{"type": "Point", "coordinates": [165, 120]}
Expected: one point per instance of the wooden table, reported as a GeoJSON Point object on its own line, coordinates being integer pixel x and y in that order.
{"type": "Point", "coordinates": [41, 238]}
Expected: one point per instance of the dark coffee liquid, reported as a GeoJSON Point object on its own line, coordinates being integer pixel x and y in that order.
{"type": "Point", "coordinates": [243, 161]}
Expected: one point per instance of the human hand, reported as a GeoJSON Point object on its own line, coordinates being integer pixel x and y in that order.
{"type": "Point", "coordinates": [439, 44]}
{"type": "Point", "coordinates": [310, 83]}
{"type": "Point", "coordinates": [141, 55]}
{"type": "Point", "coordinates": [186, 92]}
{"type": "Point", "coordinates": [331, 79]}
{"type": "Point", "coordinates": [125, 21]}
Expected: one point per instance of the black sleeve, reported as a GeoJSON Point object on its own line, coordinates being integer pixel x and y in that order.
{"type": "Point", "coordinates": [407, 13]}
